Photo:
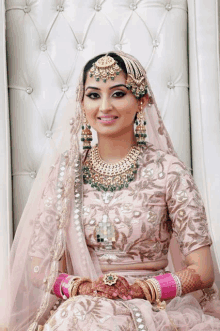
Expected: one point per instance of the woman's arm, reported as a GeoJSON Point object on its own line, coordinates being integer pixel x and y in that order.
{"type": "Point", "coordinates": [199, 273]}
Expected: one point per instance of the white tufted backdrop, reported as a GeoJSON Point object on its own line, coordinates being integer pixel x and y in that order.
{"type": "Point", "coordinates": [49, 41]}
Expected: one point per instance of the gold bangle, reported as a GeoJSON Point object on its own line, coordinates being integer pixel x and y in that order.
{"type": "Point", "coordinates": [151, 281]}
{"type": "Point", "coordinates": [76, 285]}
{"type": "Point", "coordinates": [145, 289]}
{"type": "Point", "coordinates": [153, 295]}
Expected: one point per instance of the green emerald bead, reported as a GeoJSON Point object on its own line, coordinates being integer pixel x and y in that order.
{"type": "Point", "coordinates": [136, 135]}
{"type": "Point", "coordinates": [104, 80]}
{"type": "Point", "coordinates": [89, 126]}
{"type": "Point", "coordinates": [126, 185]}
{"type": "Point", "coordinates": [117, 73]}
{"type": "Point", "coordinates": [145, 122]}
{"type": "Point", "coordinates": [134, 171]}
{"type": "Point", "coordinates": [83, 127]}
{"type": "Point", "coordinates": [97, 79]}
{"type": "Point", "coordinates": [82, 139]}
{"type": "Point", "coordinates": [112, 78]}
{"type": "Point", "coordinates": [90, 75]}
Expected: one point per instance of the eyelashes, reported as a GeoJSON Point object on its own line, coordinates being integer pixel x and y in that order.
{"type": "Point", "coordinates": [95, 95]}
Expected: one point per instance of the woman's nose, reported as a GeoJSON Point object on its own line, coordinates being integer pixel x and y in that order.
{"type": "Point", "coordinates": [105, 105]}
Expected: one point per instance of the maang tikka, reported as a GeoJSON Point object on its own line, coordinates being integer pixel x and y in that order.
{"type": "Point", "coordinates": [140, 131]}
{"type": "Point", "coordinates": [86, 133]}
{"type": "Point", "coordinates": [106, 67]}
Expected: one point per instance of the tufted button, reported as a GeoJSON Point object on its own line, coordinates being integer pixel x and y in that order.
{"type": "Point", "coordinates": [65, 88]}
{"type": "Point", "coordinates": [43, 47]}
{"type": "Point", "coordinates": [71, 121]}
{"type": "Point", "coordinates": [80, 47]}
{"type": "Point", "coordinates": [60, 8]}
{"type": "Point", "coordinates": [156, 43]}
{"type": "Point", "coordinates": [170, 85]}
{"type": "Point", "coordinates": [33, 174]}
{"type": "Point", "coordinates": [133, 6]}
{"type": "Point", "coordinates": [118, 47]}
{"type": "Point", "coordinates": [97, 7]}
{"type": "Point", "coordinates": [48, 134]}
{"type": "Point", "coordinates": [29, 89]}
{"type": "Point", "coordinates": [168, 6]}
{"type": "Point", "coordinates": [27, 9]}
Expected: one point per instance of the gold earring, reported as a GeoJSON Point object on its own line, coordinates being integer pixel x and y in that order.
{"type": "Point", "coordinates": [140, 131]}
{"type": "Point", "coordinates": [86, 133]}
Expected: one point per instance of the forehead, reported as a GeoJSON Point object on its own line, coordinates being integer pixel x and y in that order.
{"type": "Point", "coordinates": [119, 79]}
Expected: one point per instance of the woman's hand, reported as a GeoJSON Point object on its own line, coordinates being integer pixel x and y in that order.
{"type": "Point", "coordinates": [121, 289]}
{"type": "Point", "coordinates": [86, 288]}
{"type": "Point", "coordinates": [137, 291]}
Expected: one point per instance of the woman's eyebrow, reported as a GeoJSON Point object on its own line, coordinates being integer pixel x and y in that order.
{"type": "Point", "coordinates": [92, 87]}
{"type": "Point", "coordinates": [96, 88]}
{"type": "Point", "coordinates": [118, 86]}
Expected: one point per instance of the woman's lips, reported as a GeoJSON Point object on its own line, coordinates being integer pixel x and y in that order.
{"type": "Point", "coordinates": [107, 119]}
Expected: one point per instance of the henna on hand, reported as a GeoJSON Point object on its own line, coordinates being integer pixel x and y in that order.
{"type": "Point", "coordinates": [121, 289]}
{"type": "Point", "coordinates": [137, 292]}
{"type": "Point", "coordinates": [190, 280]}
{"type": "Point", "coordinates": [85, 288]}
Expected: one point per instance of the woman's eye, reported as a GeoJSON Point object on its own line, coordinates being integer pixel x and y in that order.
{"type": "Point", "coordinates": [93, 95]}
{"type": "Point", "coordinates": [119, 94]}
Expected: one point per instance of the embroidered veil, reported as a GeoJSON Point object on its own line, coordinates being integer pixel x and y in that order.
{"type": "Point", "coordinates": [50, 225]}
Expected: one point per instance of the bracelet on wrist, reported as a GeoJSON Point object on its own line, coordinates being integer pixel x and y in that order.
{"type": "Point", "coordinates": [57, 289]}
{"type": "Point", "coordinates": [67, 284]}
{"type": "Point", "coordinates": [75, 286]}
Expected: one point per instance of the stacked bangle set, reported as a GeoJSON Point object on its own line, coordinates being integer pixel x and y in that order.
{"type": "Point", "coordinates": [161, 287]}
{"type": "Point", "coordinates": [156, 289]}
{"type": "Point", "coordinates": [67, 286]}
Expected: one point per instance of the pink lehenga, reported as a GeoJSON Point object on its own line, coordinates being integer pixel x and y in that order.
{"type": "Point", "coordinates": [60, 219]}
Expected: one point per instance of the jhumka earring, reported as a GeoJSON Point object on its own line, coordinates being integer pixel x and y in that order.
{"type": "Point", "coordinates": [140, 131]}
{"type": "Point", "coordinates": [86, 134]}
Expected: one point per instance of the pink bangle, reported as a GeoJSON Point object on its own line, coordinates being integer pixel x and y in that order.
{"type": "Point", "coordinates": [168, 286]}
{"type": "Point", "coordinates": [57, 286]}
{"type": "Point", "coordinates": [66, 285]}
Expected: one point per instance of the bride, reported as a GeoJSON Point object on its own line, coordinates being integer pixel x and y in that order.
{"type": "Point", "coordinates": [92, 246]}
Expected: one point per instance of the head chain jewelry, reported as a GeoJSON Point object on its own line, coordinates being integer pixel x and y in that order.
{"type": "Point", "coordinates": [106, 67]}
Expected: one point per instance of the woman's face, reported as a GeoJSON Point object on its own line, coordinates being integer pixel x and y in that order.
{"type": "Point", "coordinates": [110, 107]}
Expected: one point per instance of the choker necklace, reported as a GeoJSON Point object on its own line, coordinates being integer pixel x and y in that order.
{"type": "Point", "coordinates": [110, 176]}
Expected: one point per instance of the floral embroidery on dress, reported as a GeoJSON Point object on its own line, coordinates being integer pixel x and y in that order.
{"type": "Point", "coordinates": [162, 200]}
{"type": "Point", "coordinates": [87, 313]}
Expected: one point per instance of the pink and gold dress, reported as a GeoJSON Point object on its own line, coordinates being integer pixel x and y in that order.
{"type": "Point", "coordinates": [133, 226]}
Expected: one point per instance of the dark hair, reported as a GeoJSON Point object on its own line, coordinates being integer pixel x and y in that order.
{"type": "Point", "coordinates": [89, 64]}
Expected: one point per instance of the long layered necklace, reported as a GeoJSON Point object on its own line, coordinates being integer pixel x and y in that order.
{"type": "Point", "coordinates": [110, 176]}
